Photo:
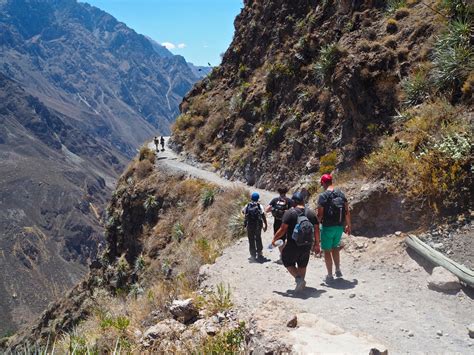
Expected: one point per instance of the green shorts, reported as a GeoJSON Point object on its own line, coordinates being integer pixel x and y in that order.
{"type": "Point", "coordinates": [331, 237]}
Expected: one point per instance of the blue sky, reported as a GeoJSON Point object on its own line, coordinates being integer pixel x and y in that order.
{"type": "Point", "coordinates": [199, 30]}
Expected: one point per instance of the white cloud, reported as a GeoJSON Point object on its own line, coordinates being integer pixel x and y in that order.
{"type": "Point", "coordinates": [169, 45]}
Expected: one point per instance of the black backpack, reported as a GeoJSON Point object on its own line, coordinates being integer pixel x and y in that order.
{"type": "Point", "coordinates": [280, 207]}
{"type": "Point", "coordinates": [253, 214]}
{"type": "Point", "coordinates": [335, 209]}
{"type": "Point", "coordinates": [303, 234]}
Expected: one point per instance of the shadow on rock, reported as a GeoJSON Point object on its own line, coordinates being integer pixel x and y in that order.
{"type": "Point", "coordinates": [342, 284]}
{"type": "Point", "coordinates": [308, 292]}
{"type": "Point", "coordinates": [160, 158]}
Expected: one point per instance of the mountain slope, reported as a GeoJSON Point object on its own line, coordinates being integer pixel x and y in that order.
{"type": "Point", "coordinates": [82, 62]}
{"type": "Point", "coordinates": [53, 183]}
{"type": "Point", "coordinates": [80, 92]}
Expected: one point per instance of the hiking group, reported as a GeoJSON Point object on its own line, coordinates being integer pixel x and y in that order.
{"type": "Point", "coordinates": [298, 230]}
{"type": "Point", "coordinates": [159, 141]}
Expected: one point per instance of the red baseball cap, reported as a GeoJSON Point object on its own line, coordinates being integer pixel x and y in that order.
{"type": "Point", "coordinates": [326, 178]}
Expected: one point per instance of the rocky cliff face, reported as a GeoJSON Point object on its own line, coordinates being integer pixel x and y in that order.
{"type": "Point", "coordinates": [303, 80]}
{"type": "Point", "coordinates": [79, 92]}
{"type": "Point", "coordinates": [309, 87]}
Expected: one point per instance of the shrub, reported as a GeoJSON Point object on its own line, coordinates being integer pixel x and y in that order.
{"type": "Point", "coordinates": [393, 5]}
{"type": "Point", "coordinates": [220, 299]}
{"type": "Point", "coordinates": [146, 154]}
{"type": "Point", "coordinates": [392, 25]}
{"type": "Point", "coordinates": [430, 158]}
{"type": "Point", "coordinates": [182, 122]}
{"type": "Point", "coordinates": [150, 203]}
{"type": "Point", "coordinates": [417, 88]}
{"type": "Point", "coordinates": [457, 8]}
{"type": "Point", "coordinates": [177, 232]}
{"type": "Point", "coordinates": [207, 197]}
{"type": "Point", "coordinates": [328, 163]}
{"type": "Point", "coordinates": [453, 56]}
{"type": "Point", "coordinates": [143, 168]}
{"type": "Point", "coordinates": [230, 342]}
{"type": "Point", "coordinates": [206, 251]}
{"type": "Point", "coordinates": [278, 72]}
{"type": "Point", "coordinates": [324, 66]}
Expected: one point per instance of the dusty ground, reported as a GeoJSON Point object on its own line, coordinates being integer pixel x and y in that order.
{"type": "Point", "coordinates": [383, 297]}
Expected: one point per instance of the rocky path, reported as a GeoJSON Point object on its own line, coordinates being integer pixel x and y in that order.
{"type": "Point", "coordinates": [382, 301]}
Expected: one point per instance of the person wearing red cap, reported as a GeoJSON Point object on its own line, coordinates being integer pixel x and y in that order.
{"type": "Point", "coordinates": [335, 218]}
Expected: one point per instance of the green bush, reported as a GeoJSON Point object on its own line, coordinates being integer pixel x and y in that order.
{"type": "Point", "coordinates": [417, 88]}
{"type": "Point", "coordinates": [220, 299]}
{"type": "Point", "coordinates": [230, 342]}
{"type": "Point", "coordinates": [326, 63]}
{"type": "Point", "coordinates": [207, 197]}
{"type": "Point", "coordinates": [393, 5]}
{"type": "Point", "coordinates": [453, 56]}
{"type": "Point", "coordinates": [150, 203]}
{"type": "Point", "coordinates": [177, 232]}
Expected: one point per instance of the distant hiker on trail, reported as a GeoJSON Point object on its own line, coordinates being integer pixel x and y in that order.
{"type": "Point", "coordinates": [255, 220]}
{"type": "Point", "coordinates": [277, 207]}
{"type": "Point", "coordinates": [156, 141]}
{"type": "Point", "coordinates": [298, 224]}
{"type": "Point", "coordinates": [162, 141]}
{"type": "Point", "coordinates": [335, 218]}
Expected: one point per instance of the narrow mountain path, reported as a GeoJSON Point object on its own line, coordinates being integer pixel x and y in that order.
{"type": "Point", "coordinates": [382, 299]}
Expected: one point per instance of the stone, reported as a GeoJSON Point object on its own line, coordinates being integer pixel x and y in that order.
{"type": "Point", "coordinates": [438, 245]}
{"type": "Point", "coordinates": [411, 334]}
{"type": "Point", "coordinates": [292, 323]}
{"type": "Point", "coordinates": [439, 332]}
{"type": "Point", "coordinates": [375, 351]}
{"type": "Point", "coordinates": [442, 280]}
{"type": "Point", "coordinates": [398, 233]}
{"type": "Point", "coordinates": [184, 310]}
{"type": "Point", "coordinates": [470, 330]}
{"type": "Point", "coordinates": [162, 330]}
{"type": "Point", "coordinates": [352, 295]}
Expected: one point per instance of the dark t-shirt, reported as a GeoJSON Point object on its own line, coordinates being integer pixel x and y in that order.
{"type": "Point", "coordinates": [274, 202]}
{"type": "Point", "coordinates": [291, 217]}
{"type": "Point", "coordinates": [323, 201]}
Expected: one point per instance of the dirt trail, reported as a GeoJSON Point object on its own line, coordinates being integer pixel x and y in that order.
{"type": "Point", "coordinates": [383, 297]}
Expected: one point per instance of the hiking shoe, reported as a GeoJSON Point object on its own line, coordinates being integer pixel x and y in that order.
{"type": "Point", "coordinates": [329, 279]}
{"type": "Point", "coordinates": [338, 273]}
{"type": "Point", "coordinates": [279, 262]}
{"type": "Point", "coordinates": [260, 258]}
{"type": "Point", "coordinates": [300, 284]}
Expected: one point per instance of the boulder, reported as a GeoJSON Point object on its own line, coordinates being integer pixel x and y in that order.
{"type": "Point", "coordinates": [292, 323]}
{"type": "Point", "coordinates": [470, 330]}
{"type": "Point", "coordinates": [442, 280]}
{"type": "Point", "coordinates": [162, 330]}
{"type": "Point", "coordinates": [184, 310]}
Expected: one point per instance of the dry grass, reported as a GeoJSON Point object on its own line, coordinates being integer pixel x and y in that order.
{"type": "Point", "coordinates": [429, 159]}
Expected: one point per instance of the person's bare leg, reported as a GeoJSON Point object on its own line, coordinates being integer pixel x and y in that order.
{"type": "Point", "coordinates": [336, 258]}
{"type": "Point", "coordinates": [328, 261]}
{"type": "Point", "coordinates": [301, 271]}
{"type": "Point", "coordinates": [292, 270]}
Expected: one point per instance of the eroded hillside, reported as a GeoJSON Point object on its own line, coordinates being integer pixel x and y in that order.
{"type": "Point", "coordinates": [309, 87]}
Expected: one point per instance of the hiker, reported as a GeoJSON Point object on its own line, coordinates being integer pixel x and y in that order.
{"type": "Point", "coordinates": [155, 140]}
{"type": "Point", "coordinates": [335, 218]}
{"type": "Point", "coordinates": [162, 141]}
{"type": "Point", "coordinates": [277, 207]}
{"type": "Point", "coordinates": [255, 220]}
{"type": "Point", "coordinates": [298, 224]}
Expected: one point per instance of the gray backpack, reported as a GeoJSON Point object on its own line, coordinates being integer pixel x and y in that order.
{"type": "Point", "coordinates": [303, 234]}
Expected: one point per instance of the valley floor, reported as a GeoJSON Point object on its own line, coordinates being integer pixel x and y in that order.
{"type": "Point", "coordinates": [382, 301]}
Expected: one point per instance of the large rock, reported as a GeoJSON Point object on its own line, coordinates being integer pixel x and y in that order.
{"type": "Point", "coordinates": [442, 280]}
{"type": "Point", "coordinates": [184, 310]}
{"type": "Point", "coordinates": [470, 329]}
{"type": "Point", "coordinates": [166, 329]}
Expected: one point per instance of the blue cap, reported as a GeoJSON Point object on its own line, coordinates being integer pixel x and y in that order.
{"type": "Point", "coordinates": [298, 197]}
{"type": "Point", "coordinates": [255, 196]}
